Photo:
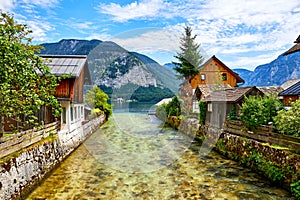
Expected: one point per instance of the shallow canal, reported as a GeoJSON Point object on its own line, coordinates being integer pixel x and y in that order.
{"type": "Point", "coordinates": [133, 157]}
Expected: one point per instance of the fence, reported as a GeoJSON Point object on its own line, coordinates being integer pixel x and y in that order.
{"type": "Point", "coordinates": [263, 134]}
{"type": "Point", "coordinates": [17, 141]}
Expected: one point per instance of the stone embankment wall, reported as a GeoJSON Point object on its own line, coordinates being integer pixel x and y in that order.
{"type": "Point", "coordinates": [279, 165]}
{"type": "Point", "coordinates": [20, 173]}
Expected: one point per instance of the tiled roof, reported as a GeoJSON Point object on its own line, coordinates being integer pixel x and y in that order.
{"type": "Point", "coordinates": [271, 90]}
{"type": "Point", "coordinates": [65, 64]}
{"type": "Point", "coordinates": [208, 89]}
{"type": "Point", "coordinates": [289, 83]}
{"type": "Point", "coordinates": [295, 48]}
{"type": "Point", "coordinates": [294, 90]}
{"type": "Point", "coordinates": [230, 95]}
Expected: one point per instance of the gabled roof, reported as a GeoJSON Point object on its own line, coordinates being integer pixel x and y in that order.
{"type": "Point", "coordinates": [231, 95]}
{"type": "Point", "coordinates": [65, 64]}
{"type": "Point", "coordinates": [238, 78]}
{"type": "Point", "coordinates": [268, 90]}
{"type": "Point", "coordinates": [68, 65]}
{"type": "Point", "coordinates": [295, 48]}
{"type": "Point", "coordinates": [207, 89]}
{"type": "Point", "coordinates": [294, 90]}
{"type": "Point", "coordinates": [289, 83]}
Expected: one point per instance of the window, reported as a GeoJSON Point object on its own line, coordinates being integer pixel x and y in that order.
{"type": "Point", "coordinates": [203, 77]}
{"type": "Point", "coordinates": [209, 107]}
{"type": "Point", "coordinates": [224, 76]}
{"type": "Point", "coordinates": [195, 106]}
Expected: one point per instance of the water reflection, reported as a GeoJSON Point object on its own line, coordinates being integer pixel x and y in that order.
{"type": "Point", "coordinates": [133, 157]}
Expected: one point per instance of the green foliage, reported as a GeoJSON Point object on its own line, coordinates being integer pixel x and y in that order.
{"type": "Point", "coordinates": [270, 170]}
{"type": "Point", "coordinates": [202, 114]}
{"type": "Point", "coordinates": [295, 189]}
{"type": "Point", "coordinates": [189, 58]}
{"type": "Point", "coordinates": [96, 98]}
{"type": "Point", "coordinates": [288, 122]}
{"type": "Point", "coordinates": [138, 93]}
{"type": "Point", "coordinates": [161, 112]}
{"type": "Point", "coordinates": [26, 82]}
{"type": "Point", "coordinates": [151, 94]}
{"type": "Point", "coordinates": [232, 114]}
{"type": "Point", "coordinates": [174, 107]}
{"type": "Point", "coordinates": [257, 110]}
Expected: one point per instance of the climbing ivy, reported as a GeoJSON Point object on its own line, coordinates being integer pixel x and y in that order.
{"type": "Point", "coordinates": [202, 109]}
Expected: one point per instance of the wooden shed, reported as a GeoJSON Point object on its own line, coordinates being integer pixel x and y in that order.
{"type": "Point", "coordinates": [220, 103]}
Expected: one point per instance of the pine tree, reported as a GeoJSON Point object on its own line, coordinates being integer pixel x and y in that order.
{"type": "Point", "coordinates": [189, 56]}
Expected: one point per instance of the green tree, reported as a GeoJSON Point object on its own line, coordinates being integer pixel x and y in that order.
{"type": "Point", "coordinates": [288, 122]}
{"type": "Point", "coordinates": [96, 98]}
{"type": "Point", "coordinates": [26, 83]}
{"type": "Point", "coordinates": [189, 56]}
{"type": "Point", "coordinates": [173, 108]}
{"type": "Point", "coordinates": [257, 110]}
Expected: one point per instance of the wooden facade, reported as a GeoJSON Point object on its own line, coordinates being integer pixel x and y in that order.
{"type": "Point", "coordinates": [215, 72]}
{"type": "Point", "coordinates": [291, 94]}
{"type": "Point", "coordinates": [287, 100]}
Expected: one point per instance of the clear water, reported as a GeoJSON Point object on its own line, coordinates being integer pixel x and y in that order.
{"type": "Point", "coordinates": [133, 157]}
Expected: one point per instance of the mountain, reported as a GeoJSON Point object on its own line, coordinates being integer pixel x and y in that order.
{"type": "Point", "coordinates": [70, 47]}
{"type": "Point", "coordinates": [244, 74]}
{"type": "Point", "coordinates": [118, 72]}
{"type": "Point", "coordinates": [284, 68]}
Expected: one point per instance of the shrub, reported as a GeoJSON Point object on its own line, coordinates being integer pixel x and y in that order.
{"type": "Point", "coordinates": [288, 122]}
{"type": "Point", "coordinates": [161, 112]}
{"type": "Point", "coordinates": [259, 110]}
{"type": "Point", "coordinates": [232, 114]}
{"type": "Point", "coordinates": [174, 107]}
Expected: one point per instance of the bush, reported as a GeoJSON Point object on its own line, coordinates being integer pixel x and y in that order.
{"type": "Point", "coordinates": [288, 122]}
{"type": "Point", "coordinates": [259, 110]}
{"type": "Point", "coordinates": [161, 112]}
{"type": "Point", "coordinates": [232, 114]}
{"type": "Point", "coordinates": [174, 107]}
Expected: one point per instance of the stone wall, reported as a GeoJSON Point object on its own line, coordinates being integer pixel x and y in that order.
{"type": "Point", "coordinates": [20, 173]}
{"type": "Point", "coordinates": [279, 165]}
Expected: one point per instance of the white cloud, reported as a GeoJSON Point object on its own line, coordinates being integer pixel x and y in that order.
{"type": "Point", "coordinates": [150, 40]}
{"type": "Point", "coordinates": [39, 30]}
{"type": "Point", "coordinates": [135, 10]}
{"type": "Point", "coordinates": [42, 3]}
{"type": "Point", "coordinates": [7, 5]}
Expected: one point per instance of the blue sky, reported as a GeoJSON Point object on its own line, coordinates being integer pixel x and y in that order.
{"type": "Point", "coordinates": [241, 33]}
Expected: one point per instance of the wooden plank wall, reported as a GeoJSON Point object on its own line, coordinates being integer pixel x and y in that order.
{"type": "Point", "coordinates": [16, 142]}
{"type": "Point", "coordinates": [263, 134]}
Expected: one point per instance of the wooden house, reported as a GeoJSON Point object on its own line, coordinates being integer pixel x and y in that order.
{"type": "Point", "coordinates": [221, 101]}
{"type": "Point", "coordinates": [213, 72]}
{"type": "Point", "coordinates": [291, 94]}
{"type": "Point", "coordinates": [69, 92]}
